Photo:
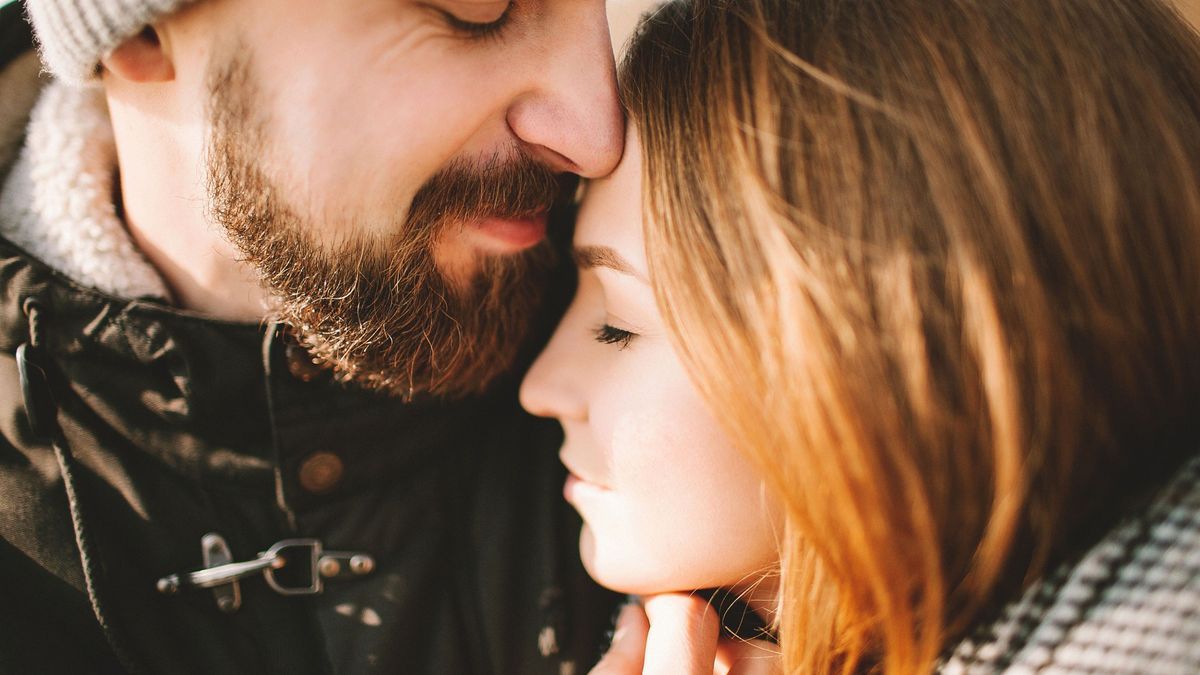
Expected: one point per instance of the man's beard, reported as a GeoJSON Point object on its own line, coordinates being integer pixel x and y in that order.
{"type": "Point", "coordinates": [377, 309]}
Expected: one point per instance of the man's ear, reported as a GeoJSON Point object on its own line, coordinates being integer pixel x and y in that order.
{"type": "Point", "coordinates": [142, 58]}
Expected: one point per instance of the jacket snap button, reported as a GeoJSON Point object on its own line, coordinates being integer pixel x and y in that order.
{"type": "Point", "coordinates": [321, 472]}
{"type": "Point", "coordinates": [300, 363]}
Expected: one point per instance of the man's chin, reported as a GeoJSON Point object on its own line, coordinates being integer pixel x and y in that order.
{"type": "Point", "coordinates": [406, 376]}
{"type": "Point", "coordinates": [444, 337]}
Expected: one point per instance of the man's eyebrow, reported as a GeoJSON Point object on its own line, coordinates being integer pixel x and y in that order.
{"type": "Point", "coordinates": [587, 257]}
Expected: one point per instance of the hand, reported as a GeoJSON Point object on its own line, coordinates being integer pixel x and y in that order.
{"type": "Point", "coordinates": [678, 634]}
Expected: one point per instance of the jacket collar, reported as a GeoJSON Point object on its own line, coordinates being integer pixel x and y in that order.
{"type": "Point", "coordinates": [21, 81]}
{"type": "Point", "coordinates": [216, 400]}
{"type": "Point", "coordinates": [58, 197]}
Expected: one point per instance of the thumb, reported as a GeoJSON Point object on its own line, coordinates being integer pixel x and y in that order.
{"type": "Point", "coordinates": [683, 635]}
{"type": "Point", "coordinates": [628, 650]}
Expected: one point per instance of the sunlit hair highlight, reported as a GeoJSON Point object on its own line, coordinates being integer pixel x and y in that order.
{"type": "Point", "coordinates": [933, 264]}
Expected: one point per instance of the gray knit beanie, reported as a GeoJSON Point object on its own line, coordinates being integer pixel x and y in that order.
{"type": "Point", "coordinates": [75, 34]}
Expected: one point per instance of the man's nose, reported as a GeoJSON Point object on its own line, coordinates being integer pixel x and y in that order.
{"type": "Point", "coordinates": [572, 120]}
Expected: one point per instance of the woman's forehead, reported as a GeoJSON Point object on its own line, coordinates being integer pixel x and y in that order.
{"type": "Point", "coordinates": [610, 214]}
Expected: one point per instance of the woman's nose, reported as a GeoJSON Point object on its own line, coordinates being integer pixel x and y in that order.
{"type": "Point", "coordinates": [552, 386]}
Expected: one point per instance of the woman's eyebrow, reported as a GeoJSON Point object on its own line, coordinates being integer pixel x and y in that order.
{"type": "Point", "coordinates": [587, 257]}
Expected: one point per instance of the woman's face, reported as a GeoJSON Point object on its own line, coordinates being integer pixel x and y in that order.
{"type": "Point", "coordinates": [668, 503]}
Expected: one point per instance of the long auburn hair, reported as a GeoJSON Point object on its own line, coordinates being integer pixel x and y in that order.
{"type": "Point", "coordinates": [936, 266]}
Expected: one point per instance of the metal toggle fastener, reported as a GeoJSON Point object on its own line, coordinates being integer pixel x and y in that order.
{"type": "Point", "coordinates": [290, 567]}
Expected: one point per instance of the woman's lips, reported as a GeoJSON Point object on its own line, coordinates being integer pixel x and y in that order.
{"type": "Point", "coordinates": [578, 487]}
{"type": "Point", "coordinates": [513, 234]}
{"type": "Point", "coordinates": [576, 490]}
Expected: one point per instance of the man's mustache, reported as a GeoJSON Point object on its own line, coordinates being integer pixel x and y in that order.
{"type": "Point", "coordinates": [464, 192]}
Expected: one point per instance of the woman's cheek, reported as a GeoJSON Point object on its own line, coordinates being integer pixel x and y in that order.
{"type": "Point", "coordinates": [667, 454]}
{"type": "Point", "coordinates": [692, 503]}
{"type": "Point", "coordinates": [654, 422]}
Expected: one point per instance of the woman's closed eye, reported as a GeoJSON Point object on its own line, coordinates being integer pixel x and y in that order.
{"type": "Point", "coordinates": [611, 335]}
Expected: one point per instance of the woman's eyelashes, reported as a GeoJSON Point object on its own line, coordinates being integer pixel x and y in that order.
{"type": "Point", "coordinates": [611, 335]}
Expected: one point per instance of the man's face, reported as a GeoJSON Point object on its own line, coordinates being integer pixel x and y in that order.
{"type": "Point", "coordinates": [387, 166]}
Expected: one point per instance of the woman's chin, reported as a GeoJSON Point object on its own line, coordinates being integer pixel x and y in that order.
{"type": "Point", "coordinates": [620, 568]}
{"type": "Point", "coordinates": [610, 571]}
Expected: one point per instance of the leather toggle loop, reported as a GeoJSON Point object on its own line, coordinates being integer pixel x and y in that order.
{"type": "Point", "coordinates": [35, 390]}
{"type": "Point", "coordinates": [40, 407]}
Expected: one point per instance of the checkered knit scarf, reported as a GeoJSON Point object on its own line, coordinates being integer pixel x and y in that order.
{"type": "Point", "coordinates": [1131, 604]}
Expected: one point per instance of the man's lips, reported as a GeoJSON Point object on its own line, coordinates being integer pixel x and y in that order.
{"type": "Point", "coordinates": [513, 234]}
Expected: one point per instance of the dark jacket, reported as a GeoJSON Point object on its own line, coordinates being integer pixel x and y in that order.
{"type": "Point", "coordinates": [159, 427]}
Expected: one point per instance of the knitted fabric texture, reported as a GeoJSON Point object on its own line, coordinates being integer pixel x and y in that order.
{"type": "Point", "coordinates": [1130, 605]}
{"type": "Point", "coordinates": [76, 34]}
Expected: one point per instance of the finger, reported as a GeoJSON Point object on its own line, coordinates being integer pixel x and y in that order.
{"type": "Point", "coordinates": [750, 657]}
{"type": "Point", "coordinates": [682, 637]}
{"type": "Point", "coordinates": [628, 648]}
